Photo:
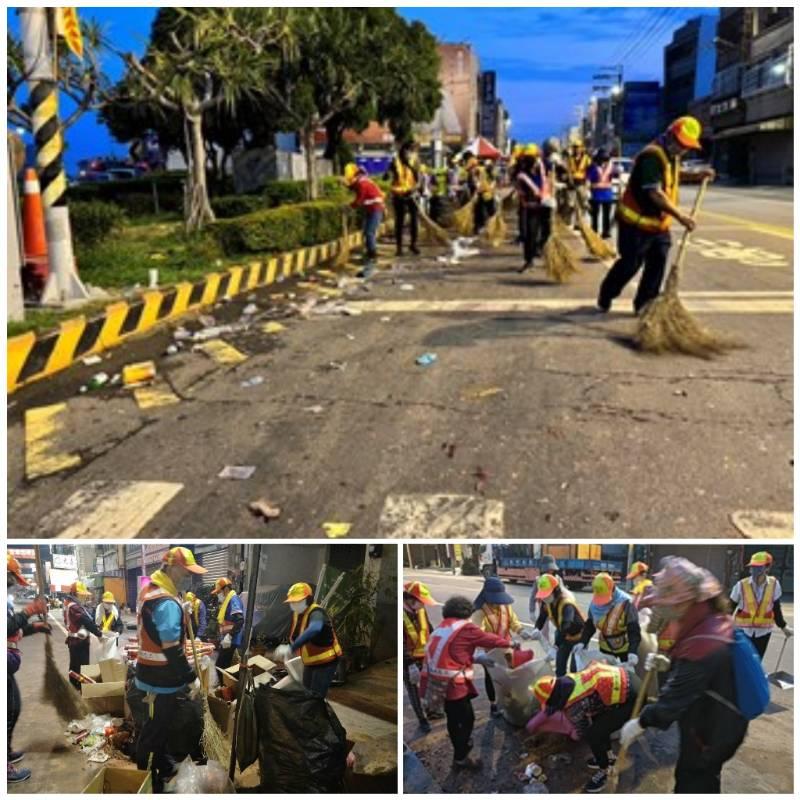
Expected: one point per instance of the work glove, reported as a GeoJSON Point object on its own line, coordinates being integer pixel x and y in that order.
{"type": "Point", "coordinates": [226, 642]}
{"type": "Point", "coordinates": [41, 627]}
{"type": "Point", "coordinates": [38, 606]}
{"type": "Point", "coordinates": [283, 652]}
{"type": "Point", "coordinates": [630, 732]}
{"type": "Point", "coordinates": [535, 635]}
{"type": "Point", "coordinates": [195, 689]}
{"type": "Point", "coordinates": [526, 635]}
{"type": "Point", "coordinates": [83, 634]}
{"type": "Point", "coordinates": [414, 675]}
{"type": "Point", "coordinates": [787, 631]}
{"type": "Point", "coordinates": [657, 663]}
{"type": "Point", "coordinates": [633, 660]}
{"type": "Point", "coordinates": [484, 660]}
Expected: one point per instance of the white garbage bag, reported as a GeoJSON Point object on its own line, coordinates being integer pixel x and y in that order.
{"type": "Point", "coordinates": [105, 648]}
{"type": "Point", "coordinates": [514, 686]}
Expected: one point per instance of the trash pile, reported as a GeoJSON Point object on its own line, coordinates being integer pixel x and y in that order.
{"type": "Point", "coordinates": [100, 737]}
{"type": "Point", "coordinates": [461, 249]}
{"type": "Point", "coordinates": [514, 697]}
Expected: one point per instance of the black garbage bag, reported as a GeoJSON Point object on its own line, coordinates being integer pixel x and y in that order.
{"type": "Point", "coordinates": [247, 732]}
{"type": "Point", "coordinates": [302, 744]}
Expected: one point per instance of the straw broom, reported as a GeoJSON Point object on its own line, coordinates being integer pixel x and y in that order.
{"type": "Point", "coordinates": [432, 232]}
{"type": "Point", "coordinates": [464, 218]}
{"type": "Point", "coordinates": [665, 325]}
{"type": "Point", "coordinates": [596, 245]}
{"type": "Point", "coordinates": [496, 229]}
{"type": "Point", "coordinates": [560, 263]}
{"type": "Point", "coordinates": [57, 691]}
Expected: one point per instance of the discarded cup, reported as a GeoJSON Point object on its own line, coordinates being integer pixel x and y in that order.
{"type": "Point", "coordinates": [427, 359]}
{"type": "Point", "coordinates": [256, 380]}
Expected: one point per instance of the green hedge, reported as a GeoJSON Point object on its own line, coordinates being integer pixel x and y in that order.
{"type": "Point", "coordinates": [135, 197]}
{"type": "Point", "coordinates": [236, 205]}
{"type": "Point", "coordinates": [278, 230]}
{"type": "Point", "coordinates": [94, 221]}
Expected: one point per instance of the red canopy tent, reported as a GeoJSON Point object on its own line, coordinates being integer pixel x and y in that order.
{"type": "Point", "coordinates": [483, 148]}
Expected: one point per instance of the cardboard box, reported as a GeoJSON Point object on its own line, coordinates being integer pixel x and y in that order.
{"type": "Point", "coordinates": [105, 698]}
{"type": "Point", "coordinates": [92, 671]}
{"type": "Point", "coordinates": [117, 780]}
{"type": "Point", "coordinates": [259, 666]}
{"type": "Point", "coordinates": [223, 712]}
{"type": "Point", "coordinates": [113, 670]}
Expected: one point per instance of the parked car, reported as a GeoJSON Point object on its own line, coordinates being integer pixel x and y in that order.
{"type": "Point", "coordinates": [622, 171]}
{"type": "Point", "coordinates": [692, 170]}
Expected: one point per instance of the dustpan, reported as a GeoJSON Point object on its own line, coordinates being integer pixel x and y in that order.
{"type": "Point", "coordinates": [781, 678]}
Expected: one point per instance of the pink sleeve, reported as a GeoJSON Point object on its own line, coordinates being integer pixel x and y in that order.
{"type": "Point", "coordinates": [552, 723]}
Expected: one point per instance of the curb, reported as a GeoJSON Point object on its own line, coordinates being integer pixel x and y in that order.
{"type": "Point", "coordinates": [31, 357]}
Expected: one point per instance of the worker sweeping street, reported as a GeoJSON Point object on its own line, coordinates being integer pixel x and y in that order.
{"type": "Point", "coordinates": [447, 674]}
{"type": "Point", "coordinates": [198, 612]}
{"type": "Point", "coordinates": [613, 615]}
{"type": "Point", "coordinates": [559, 608]}
{"type": "Point", "coordinates": [416, 631]}
{"type": "Point", "coordinates": [578, 163]}
{"type": "Point", "coordinates": [534, 190]}
{"type": "Point", "coordinates": [162, 669]}
{"type": "Point", "coordinates": [485, 188]}
{"type": "Point", "coordinates": [757, 603]}
{"type": "Point", "coordinates": [106, 615]}
{"type": "Point", "coordinates": [493, 614]}
{"type": "Point", "coordinates": [313, 637]}
{"type": "Point", "coordinates": [600, 177]}
{"type": "Point", "coordinates": [18, 624]}
{"type": "Point", "coordinates": [404, 176]}
{"type": "Point", "coordinates": [371, 199]}
{"type": "Point", "coordinates": [79, 624]}
{"type": "Point", "coordinates": [639, 574]}
{"type": "Point", "coordinates": [230, 619]}
{"type": "Point", "coordinates": [646, 211]}
{"type": "Point", "coordinates": [701, 691]}
{"type": "Point", "coordinates": [590, 704]}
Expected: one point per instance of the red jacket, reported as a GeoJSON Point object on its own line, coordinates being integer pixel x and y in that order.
{"type": "Point", "coordinates": [368, 195]}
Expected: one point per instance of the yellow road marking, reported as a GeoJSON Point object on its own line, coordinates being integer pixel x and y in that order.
{"type": "Point", "coordinates": [757, 524]}
{"type": "Point", "coordinates": [154, 397]}
{"type": "Point", "coordinates": [42, 457]}
{"type": "Point", "coordinates": [758, 227]}
{"type": "Point", "coordinates": [222, 352]}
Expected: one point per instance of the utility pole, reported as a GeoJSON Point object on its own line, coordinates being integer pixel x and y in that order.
{"type": "Point", "coordinates": [14, 254]}
{"type": "Point", "coordinates": [63, 284]}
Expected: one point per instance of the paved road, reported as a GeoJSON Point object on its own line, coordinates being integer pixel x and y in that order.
{"type": "Point", "coordinates": [537, 420]}
{"type": "Point", "coordinates": [764, 764]}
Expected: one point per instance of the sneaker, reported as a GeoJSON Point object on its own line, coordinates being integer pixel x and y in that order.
{"type": "Point", "coordinates": [14, 775]}
{"type": "Point", "coordinates": [436, 715]}
{"type": "Point", "coordinates": [592, 762]}
{"type": "Point", "coordinates": [596, 783]}
{"type": "Point", "coordinates": [367, 272]}
{"type": "Point", "coordinates": [14, 757]}
{"type": "Point", "coordinates": [468, 763]}
{"type": "Point", "coordinates": [495, 711]}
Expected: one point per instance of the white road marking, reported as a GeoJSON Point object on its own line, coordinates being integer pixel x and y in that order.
{"type": "Point", "coordinates": [107, 510]}
{"type": "Point", "coordinates": [759, 524]}
{"type": "Point", "coordinates": [439, 516]}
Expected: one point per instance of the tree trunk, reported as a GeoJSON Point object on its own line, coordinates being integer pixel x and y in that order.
{"type": "Point", "coordinates": [197, 210]}
{"type": "Point", "coordinates": [312, 188]}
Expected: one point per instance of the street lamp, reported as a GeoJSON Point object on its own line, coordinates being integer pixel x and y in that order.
{"type": "Point", "coordinates": [616, 91]}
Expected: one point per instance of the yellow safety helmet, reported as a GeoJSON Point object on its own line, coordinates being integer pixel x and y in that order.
{"type": "Point", "coordinates": [762, 559]}
{"type": "Point", "coordinates": [78, 588]}
{"type": "Point", "coordinates": [543, 688]}
{"type": "Point", "coordinates": [297, 592]}
{"type": "Point", "coordinates": [220, 584]}
{"type": "Point", "coordinates": [351, 173]}
{"type": "Point", "coordinates": [190, 597]}
{"type": "Point", "coordinates": [108, 597]}
{"type": "Point", "coordinates": [518, 150]}
{"type": "Point", "coordinates": [687, 130]}
{"type": "Point", "coordinates": [532, 150]}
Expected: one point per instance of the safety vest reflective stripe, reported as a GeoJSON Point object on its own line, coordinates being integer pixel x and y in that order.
{"type": "Point", "coordinates": [754, 614]}
{"type": "Point", "coordinates": [150, 652]}
{"type": "Point", "coordinates": [312, 654]}
{"type": "Point", "coordinates": [578, 167]}
{"type": "Point", "coordinates": [613, 629]}
{"type": "Point", "coordinates": [610, 683]}
{"type": "Point", "coordinates": [556, 616]}
{"type": "Point", "coordinates": [604, 179]}
{"type": "Point", "coordinates": [108, 621]}
{"type": "Point", "coordinates": [499, 623]}
{"type": "Point", "coordinates": [629, 209]}
{"type": "Point", "coordinates": [437, 658]}
{"type": "Point", "coordinates": [417, 636]}
{"type": "Point", "coordinates": [147, 655]}
{"type": "Point", "coordinates": [404, 181]}
{"type": "Point", "coordinates": [225, 625]}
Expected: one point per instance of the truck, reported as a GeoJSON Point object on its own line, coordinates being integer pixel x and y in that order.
{"type": "Point", "coordinates": [517, 563]}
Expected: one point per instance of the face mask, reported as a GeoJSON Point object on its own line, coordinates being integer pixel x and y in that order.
{"type": "Point", "coordinates": [757, 572]}
{"type": "Point", "coordinates": [108, 606]}
{"type": "Point", "coordinates": [548, 601]}
{"type": "Point", "coordinates": [299, 607]}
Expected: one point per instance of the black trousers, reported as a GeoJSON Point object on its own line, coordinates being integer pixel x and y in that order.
{"type": "Point", "coordinates": [562, 658]}
{"type": "Point", "coordinates": [225, 657]}
{"type": "Point", "coordinates": [636, 250]}
{"type": "Point", "coordinates": [484, 209]}
{"type": "Point", "coordinates": [537, 229]}
{"type": "Point", "coordinates": [602, 208]}
{"type": "Point", "coordinates": [489, 685]}
{"type": "Point", "coordinates": [413, 694]}
{"type": "Point", "coordinates": [599, 734]}
{"type": "Point", "coordinates": [14, 707]}
{"type": "Point", "coordinates": [153, 739]}
{"type": "Point", "coordinates": [405, 207]}
{"type": "Point", "coordinates": [78, 656]}
{"type": "Point", "coordinates": [460, 722]}
{"type": "Point", "coordinates": [318, 679]}
{"type": "Point", "coordinates": [761, 643]}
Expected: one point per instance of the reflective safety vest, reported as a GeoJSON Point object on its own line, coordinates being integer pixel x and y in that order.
{"type": "Point", "coordinates": [417, 633]}
{"type": "Point", "coordinates": [613, 628]}
{"type": "Point", "coordinates": [324, 647]}
{"type": "Point", "coordinates": [638, 591]}
{"type": "Point", "coordinates": [555, 613]}
{"type": "Point", "coordinates": [754, 614]}
{"type": "Point", "coordinates": [577, 166]}
{"type": "Point", "coordinates": [108, 621]}
{"type": "Point", "coordinates": [500, 623]}
{"type": "Point", "coordinates": [151, 652]}
{"type": "Point", "coordinates": [225, 625]}
{"type": "Point", "coordinates": [610, 683]}
{"type": "Point", "coordinates": [439, 664]}
{"type": "Point", "coordinates": [542, 192]}
{"type": "Point", "coordinates": [404, 180]}
{"type": "Point", "coordinates": [604, 174]}
{"type": "Point", "coordinates": [196, 612]}
{"type": "Point", "coordinates": [630, 211]}
{"type": "Point", "coordinates": [667, 637]}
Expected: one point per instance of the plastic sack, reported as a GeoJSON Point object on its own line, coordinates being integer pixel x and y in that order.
{"type": "Point", "coordinates": [513, 686]}
{"type": "Point", "coordinates": [583, 658]}
{"type": "Point", "coordinates": [302, 744]}
{"type": "Point", "coordinates": [104, 649]}
{"type": "Point", "coordinates": [247, 731]}
{"type": "Point", "coordinates": [210, 778]}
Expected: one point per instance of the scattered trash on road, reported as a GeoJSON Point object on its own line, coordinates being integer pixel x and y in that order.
{"type": "Point", "coordinates": [91, 361]}
{"type": "Point", "coordinates": [407, 287]}
{"type": "Point", "coordinates": [350, 337]}
{"type": "Point", "coordinates": [272, 327]}
{"type": "Point", "coordinates": [386, 319]}
{"type": "Point", "coordinates": [681, 393]}
{"type": "Point", "coordinates": [482, 394]}
{"type": "Point", "coordinates": [138, 374]}
{"type": "Point", "coordinates": [172, 350]}
{"type": "Point", "coordinates": [427, 359]}
{"type": "Point", "coordinates": [449, 448]}
{"type": "Point", "coordinates": [237, 473]}
{"type": "Point", "coordinates": [97, 380]}
{"type": "Point", "coordinates": [336, 530]}
{"type": "Point", "coordinates": [481, 479]}
{"type": "Point", "coordinates": [256, 380]}
{"type": "Point", "coordinates": [206, 320]}
{"type": "Point", "coordinates": [250, 309]}
{"type": "Point", "coordinates": [181, 334]}
{"type": "Point", "coordinates": [341, 366]}
{"type": "Point", "coordinates": [264, 509]}
{"type": "Point", "coordinates": [314, 409]}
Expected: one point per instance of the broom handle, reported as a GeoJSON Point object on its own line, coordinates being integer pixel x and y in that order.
{"type": "Point", "coordinates": [780, 655]}
{"type": "Point", "coordinates": [642, 696]}
{"type": "Point", "coordinates": [675, 272]}
{"type": "Point", "coordinates": [191, 639]}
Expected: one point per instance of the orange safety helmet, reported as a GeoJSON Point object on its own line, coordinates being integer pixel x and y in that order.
{"type": "Point", "coordinates": [546, 585]}
{"type": "Point", "coordinates": [220, 584]}
{"type": "Point", "coordinates": [638, 568]}
{"type": "Point", "coordinates": [182, 557]}
{"type": "Point", "coordinates": [543, 688]}
{"type": "Point", "coordinates": [419, 591]}
{"type": "Point", "coordinates": [687, 131]}
{"type": "Point", "coordinates": [602, 588]}
{"type": "Point", "coordinates": [761, 559]}
{"type": "Point", "coordinates": [298, 592]}
{"type": "Point", "coordinates": [12, 566]}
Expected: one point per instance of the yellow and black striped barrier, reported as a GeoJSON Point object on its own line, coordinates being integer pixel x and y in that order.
{"type": "Point", "coordinates": [31, 358]}
{"type": "Point", "coordinates": [49, 143]}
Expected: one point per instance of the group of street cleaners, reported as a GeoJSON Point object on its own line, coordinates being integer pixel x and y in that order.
{"type": "Point", "coordinates": [549, 181]}
{"type": "Point", "coordinates": [168, 616]}
{"type": "Point", "coordinates": [709, 645]}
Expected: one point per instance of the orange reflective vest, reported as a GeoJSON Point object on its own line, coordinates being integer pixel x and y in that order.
{"type": "Point", "coordinates": [499, 622]}
{"type": "Point", "coordinates": [755, 614]}
{"type": "Point", "coordinates": [151, 652]}
{"type": "Point", "coordinates": [327, 647]}
{"type": "Point", "coordinates": [577, 166]}
{"type": "Point", "coordinates": [613, 629]}
{"type": "Point", "coordinates": [629, 210]}
{"type": "Point", "coordinates": [439, 664]}
{"type": "Point", "coordinates": [404, 180]}
{"type": "Point", "coordinates": [604, 175]}
{"type": "Point", "coordinates": [417, 633]}
{"type": "Point", "coordinates": [668, 636]}
{"type": "Point", "coordinates": [610, 683]}
{"type": "Point", "coordinates": [556, 614]}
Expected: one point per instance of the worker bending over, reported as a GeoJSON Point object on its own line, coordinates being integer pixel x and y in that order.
{"type": "Point", "coordinates": [198, 613]}
{"type": "Point", "coordinates": [369, 198]}
{"type": "Point", "coordinates": [561, 611]}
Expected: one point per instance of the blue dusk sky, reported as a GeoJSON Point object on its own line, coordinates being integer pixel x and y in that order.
{"type": "Point", "coordinates": [544, 57]}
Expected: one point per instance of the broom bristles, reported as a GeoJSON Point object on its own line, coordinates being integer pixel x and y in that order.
{"type": "Point", "coordinates": [594, 243]}
{"type": "Point", "coordinates": [464, 218]}
{"type": "Point", "coordinates": [559, 261]}
{"type": "Point", "coordinates": [57, 691]}
{"type": "Point", "coordinates": [432, 231]}
{"type": "Point", "coordinates": [343, 256]}
{"type": "Point", "coordinates": [495, 230]}
{"type": "Point", "coordinates": [214, 743]}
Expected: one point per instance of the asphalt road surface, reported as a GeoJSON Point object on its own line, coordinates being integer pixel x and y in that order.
{"type": "Point", "coordinates": [763, 764]}
{"type": "Point", "coordinates": [538, 418]}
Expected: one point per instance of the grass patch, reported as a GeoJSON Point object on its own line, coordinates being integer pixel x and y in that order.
{"type": "Point", "coordinates": [41, 320]}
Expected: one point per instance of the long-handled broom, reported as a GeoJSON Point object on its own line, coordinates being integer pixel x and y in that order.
{"type": "Point", "coordinates": [595, 244]}
{"type": "Point", "coordinates": [665, 325]}
{"type": "Point", "coordinates": [560, 263]}
{"type": "Point", "coordinates": [496, 229]}
{"type": "Point", "coordinates": [432, 232]}
{"type": "Point", "coordinates": [464, 218]}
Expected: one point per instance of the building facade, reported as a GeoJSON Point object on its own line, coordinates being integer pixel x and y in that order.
{"type": "Point", "coordinates": [640, 115]}
{"type": "Point", "coordinates": [689, 65]}
{"type": "Point", "coordinates": [459, 73]}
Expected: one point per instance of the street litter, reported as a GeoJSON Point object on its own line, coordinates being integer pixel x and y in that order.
{"type": "Point", "coordinates": [180, 334]}
{"type": "Point", "coordinates": [172, 350]}
{"type": "Point", "coordinates": [256, 380]}
{"type": "Point", "coordinates": [386, 319]}
{"type": "Point", "coordinates": [350, 337]}
{"type": "Point", "coordinates": [265, 509]}
{"type": "Point", "coordinates": [98, 380]}
{"type": "Point", "coordinates": [138, 374]}
{"type": "Point", "coordinates": [206, 321]}
{"type": "Point", "coordinates": [341, 366]}
{"type": "Point", "coordinates": [272, 327]}
{"type": "Point", "coordinates": [91, 361]}
{"type": "Point", "coordinates": [427, 359]}
{"type": "Point", "coordinates": [250, 309]}
{"type": "Point", "coordinates": [237, 473]}
{"type": "Point", "coordinates": [407, 287]}
{"type": "Point", "coordinates": [314, 409]}
{"type": "Point", "coordinates": [336, 530]}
